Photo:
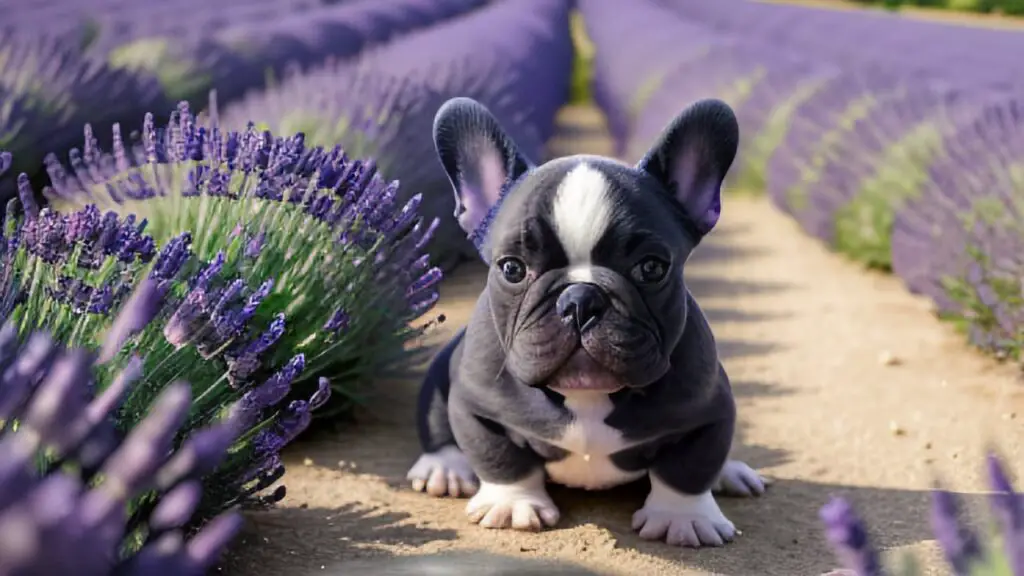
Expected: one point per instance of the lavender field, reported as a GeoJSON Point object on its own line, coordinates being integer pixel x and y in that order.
{"type": "Point", "coordinates": [228, 249]}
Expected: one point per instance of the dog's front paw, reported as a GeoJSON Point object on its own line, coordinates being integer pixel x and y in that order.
{"type": "Point", "coordinates": [682, 519]}
{"type": "Point", "coordinates": [738, 479]}
{"type": "Point", "coordinates": [522, 506]}
{"type": "Point", "coordinates": [443, 473]}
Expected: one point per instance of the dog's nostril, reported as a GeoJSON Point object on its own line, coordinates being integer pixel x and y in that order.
{"type": "Point", "coordinates": [581, 304]}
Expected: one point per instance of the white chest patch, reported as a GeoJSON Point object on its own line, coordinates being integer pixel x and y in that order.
{"type": "Point", "coordinates": [590, 442]}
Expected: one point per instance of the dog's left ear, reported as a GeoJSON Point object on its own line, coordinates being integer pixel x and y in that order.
{"type": "Point", "coordinates": [481, 160]}
{"type": "Point", "coordinates": [691, 157]}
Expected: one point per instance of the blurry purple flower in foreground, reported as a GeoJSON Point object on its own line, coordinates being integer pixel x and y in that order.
{"type": "Point", "coordinates": [75, 520]}
{"type": "Point", "coordinates": [847, 533]}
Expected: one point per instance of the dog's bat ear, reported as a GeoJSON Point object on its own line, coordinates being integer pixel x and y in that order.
{"type": "Point", "coordinates": [691, 157]}
{"type": "Point", "coordinates": [481, 160]}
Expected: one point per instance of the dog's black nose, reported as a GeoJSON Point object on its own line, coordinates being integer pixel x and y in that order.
{"type": "Point", "coordinates": [582, 304]}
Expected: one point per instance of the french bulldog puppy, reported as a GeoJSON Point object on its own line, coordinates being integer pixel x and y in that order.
{"type": "Point", "coordinates": [586, 361]}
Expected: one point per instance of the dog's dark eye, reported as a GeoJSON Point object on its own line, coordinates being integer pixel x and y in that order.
{"type": "Point", "coordinates": [650, 270]}
{"type": "Point", "coordinates": [513, 269]}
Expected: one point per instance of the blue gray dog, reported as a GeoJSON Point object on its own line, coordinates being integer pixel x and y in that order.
{"type": "Point", "coordinates": [586, 361]}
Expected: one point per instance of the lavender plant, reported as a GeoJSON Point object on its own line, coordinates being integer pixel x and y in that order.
{"type": "Point", "coordinates": [965, 552]}
{"type": "Point", "coordinates": [959, 241]}
{"type": "Point", "coordinates": [289, 261]}
{"type": "Point", "coordinates": [76, 498]}
{"type": "Point", "coordinates": [190, 50]}
{"type": "Point", "coordinates": [267, 274]}
{"type": "Point", "coordinates": [64, 273]}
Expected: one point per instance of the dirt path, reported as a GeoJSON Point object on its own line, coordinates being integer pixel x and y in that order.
{"type": "Point", "coordinates": [845, 385]}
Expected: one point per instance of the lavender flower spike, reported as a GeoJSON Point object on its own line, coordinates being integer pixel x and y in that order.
{"type": "Point", "coordinates": [959, 543]}
{"type": "Point", "coordinates": [849, 537]}
{"type": "Point", "coordinates": [61, 523]}
{"type": "Point", "coordinates": [1008, 507]}
{"type": "Point", "coordinates": [137, 314]}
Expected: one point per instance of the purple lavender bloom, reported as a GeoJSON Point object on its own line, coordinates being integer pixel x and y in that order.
{"type": "Point", "coordinates": [336, 243]}
{"type": "Point", "coordinates": [139, 311]}
{"type": "Point", "coordinates": [271, 392]}
{"type": "Point", "coordinates": [1008, 508]}
{"type": "Point", "coordinates": [53, 522]}
{"type": "Point", "coordinates": [961, 546]}
{"type": "Point", "coordinates": [959, 543]}
{"type": "Point", "coordinates": [849, 537]}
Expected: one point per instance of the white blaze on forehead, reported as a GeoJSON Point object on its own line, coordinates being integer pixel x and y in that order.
{"type": "Point", "coordinates": [581, 213]}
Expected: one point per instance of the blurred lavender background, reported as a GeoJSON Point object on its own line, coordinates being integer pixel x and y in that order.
{"type": "Point", "coordinates": [156, 128]}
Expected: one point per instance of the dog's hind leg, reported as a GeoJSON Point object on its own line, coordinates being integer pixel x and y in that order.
{"type": "Point", "coordinates": [442, 469]}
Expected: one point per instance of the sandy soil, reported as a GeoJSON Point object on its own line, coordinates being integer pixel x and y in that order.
{"type": "Point", "coordinates": [845, 385]}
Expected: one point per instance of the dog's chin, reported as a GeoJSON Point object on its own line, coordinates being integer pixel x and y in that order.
{"type": "Point", "coordinates": [581, 373]}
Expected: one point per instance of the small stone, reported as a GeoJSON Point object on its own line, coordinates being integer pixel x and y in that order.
{"type": "Point", "coordinates": [927, 445]}
{"type": "Point", "coordinates": [887, 358]}
{"type": "Point", "coordinates": [954, 455]}
{"type": "Point", "coordinates": [1010, 416]}
{"type": "Point", "coordinates": [307, 461]}
{"type": "Point", "coordinates": [896, 429]}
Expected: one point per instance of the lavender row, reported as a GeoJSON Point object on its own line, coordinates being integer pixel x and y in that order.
{"type": "Point", "coordinates": [896, 165]}
{"type": "Point", "coordinates": [515, 56]}
{"type": "Point", "coordinates": [965, 55]}
{"type": "Point", "coordinates": [51, 83]}
{"type": "Point", "coordinates": [48, 90]}
{"type": "Point", "coordinates": [103, 25]}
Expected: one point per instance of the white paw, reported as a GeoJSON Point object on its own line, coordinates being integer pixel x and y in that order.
{"type": "Point", "coordinates": [738, 479]}
{"type": "Point", "coordinates": [443, 473]}
{"type": "Point", "coordinates": [524, 505]}
{"type": "Point", "coordinates": [682, 519]}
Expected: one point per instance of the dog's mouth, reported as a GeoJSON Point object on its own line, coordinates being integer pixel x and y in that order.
{"type": "Point", "coordinates": [581, 372]}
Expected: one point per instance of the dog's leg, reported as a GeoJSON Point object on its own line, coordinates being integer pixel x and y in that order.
{"type": "Point", "coordinates": [442, 469]}
{"type": "Point", "coordinates": [681, 509]}
{"type": "Point", "coordinates": [512, 479]}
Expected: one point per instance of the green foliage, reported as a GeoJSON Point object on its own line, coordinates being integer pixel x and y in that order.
{"type": "Point", "coordinates": [983, 291]}
{"type": "Point", "coordinates": [180, 79]}
{"type": "Point", "coordinates": [761, 146]}
{"type": "Point", "coordinates": [1005, 7]}
{"type": "Point", "coordinates": [863, 228]}
{"type": "Point", "coordinates": [31, 296]}
{"type": "Point", "coordinates": [313, 277]}
{"type": "Point", "coordinates": [582, 70]}
{"type": "Point", "coordinates": [811, 170]}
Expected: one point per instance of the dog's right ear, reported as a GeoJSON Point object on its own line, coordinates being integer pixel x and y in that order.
{"type": "Point", "coordinates": [481, 160]}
